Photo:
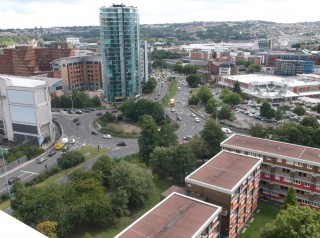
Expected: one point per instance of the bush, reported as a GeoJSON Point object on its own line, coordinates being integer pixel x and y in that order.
{"type": "Point", "coordinates": [70, 159]}
{"type": "Point", "coordinates": [43, 176]}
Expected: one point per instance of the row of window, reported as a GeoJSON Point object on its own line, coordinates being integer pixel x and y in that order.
{"type": "Point", "coordinates": [294, 181]}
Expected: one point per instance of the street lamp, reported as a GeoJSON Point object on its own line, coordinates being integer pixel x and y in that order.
{"type": "Point", "coordinates": [5, 169]}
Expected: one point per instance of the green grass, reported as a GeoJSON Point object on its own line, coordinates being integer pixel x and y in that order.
{"type": "Point", "coordinates": [161, 186]}
{"type": "Point", "coordinates": [172, 93]}
{"type": "Point", "coordinates": [4, 205]}
{"type": "Point", "coordinates": [267, 214]}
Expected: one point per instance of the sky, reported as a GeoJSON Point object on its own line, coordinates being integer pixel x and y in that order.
{"type": "Point", "coordinates": [50, 13]}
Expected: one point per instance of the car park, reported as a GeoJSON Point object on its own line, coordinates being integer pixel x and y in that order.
{"type": "Point", "coordinates": [13, 180]}
{"type": "Point", "coordinates": [122, 143]}
{"type": "Point", "coordinates": [107, 136]}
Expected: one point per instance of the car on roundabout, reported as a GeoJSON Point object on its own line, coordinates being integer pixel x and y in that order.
{"type": "Point", "coordinates": [107, 136]}
{"type": "Point", "coordinates": [187, 138]}
{"type": "Point", "coordinates": [197, 119]}
{"type": "Point", "coordinates": [122, 143]}
{"type": "Point", "coordinates": [193, 115]}
{"type": "Point", "coordinates": [72, 141]}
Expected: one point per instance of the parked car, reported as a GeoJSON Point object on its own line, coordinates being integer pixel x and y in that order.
{"type": "Point", "coordinates": [75, 119]}
{"type": "Point", "coordinates": [122, 143]}
{"type": "Point", "coordinates": [94, 133]}
{"type": "Point", "coordinates": [187, 138]}
{"type": "Point", "coordinates": [226, 130]}
{"type": "Point", "coordinates": [72, 141]}
{"type": "Point", "coordinates": [12, 180]}
{"type": "Point", "coordinates": [78, 123]}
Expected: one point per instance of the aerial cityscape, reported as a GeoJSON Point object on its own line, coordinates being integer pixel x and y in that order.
{"type": "Point", "coordinates": [168, 119]}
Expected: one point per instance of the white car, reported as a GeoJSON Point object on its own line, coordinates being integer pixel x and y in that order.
{"type": "Point", "coordinates": [197, 119]}
{"type": "Point", "coordinates": [107, 136]}
{"type": "Point", "coordinates": [193, 115]}
{"type": "Point", "coordinates": [72, 141]}
{"type": "Point", "coordinates": [226, 130]}
{"type": "Point", "coordinates": [172, 110]}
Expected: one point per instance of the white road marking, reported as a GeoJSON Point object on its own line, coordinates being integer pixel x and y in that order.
{"type": "Point", "coordinates": [28, 172]}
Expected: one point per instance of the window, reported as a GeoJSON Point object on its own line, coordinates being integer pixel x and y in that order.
{"type": "Point", "coordinates": [286, 170]}
{"type": "Point", "coordinates": [277, 177]}
{"type": "Point", "coordinates": [289, 162]}
{"type": "Point", "coordinates": [309, 166]}
{"type": "Point", "coordinates": [279, 160]}
{"type": "Point", "coordinates": [299, 191]}
{"type": "Point", "coordinates": [274, 194]}
{"type": "Point", "coordinates": [267, 175]}
{"type": "Point", "coordinates": [298, 164]}
{"type": "Point", "coordinates": [305, 202]}
{"type": "Point", "coordinates": [306, 184]}
{"type": "Point", "coordinates": [318, 186]}
{"type": "Point", "coordinates": [314, 204]}
{"type": "Point", "coordinates": [295, 181]}
{"type": "Point", "coordinates": [302, 174]}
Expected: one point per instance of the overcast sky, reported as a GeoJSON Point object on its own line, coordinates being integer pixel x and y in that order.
{"type": "Point", "coordinates": [49, 13]}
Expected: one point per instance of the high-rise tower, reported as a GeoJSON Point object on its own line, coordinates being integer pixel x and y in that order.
{"type": "Point", "coordinates": [120, 33]}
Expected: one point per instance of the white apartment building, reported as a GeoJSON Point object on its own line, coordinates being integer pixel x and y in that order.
{"type": "Point", "coordinates": [25, 110]}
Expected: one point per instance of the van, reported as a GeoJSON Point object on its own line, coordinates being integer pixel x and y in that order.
{"type": "Point", "coordinates": [226, 130]}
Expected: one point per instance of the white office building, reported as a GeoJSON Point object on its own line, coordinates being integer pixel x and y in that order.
{"type": "Point", "coordinates": [25, 110]}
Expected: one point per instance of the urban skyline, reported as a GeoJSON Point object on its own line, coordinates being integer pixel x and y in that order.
{"type": "Point", "coordinates": [43, 13]}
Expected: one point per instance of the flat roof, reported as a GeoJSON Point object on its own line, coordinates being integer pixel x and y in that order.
{"type": "Point", "coordinates": [294, 152]}
{"type": "Point", "coordinates": [12, 227]}
{"type": "Point", "coordinates": [224, 172]}
{"type": "Point", "coordinates": [25, 82]}
{"type": "Point", "coordinates": [176, 216]}
{"type": "Point", "coordinates": [292, 81]}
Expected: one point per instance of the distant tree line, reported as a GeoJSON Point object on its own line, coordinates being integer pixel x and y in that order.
{"type": "Point", "coordinates": [77, 100]}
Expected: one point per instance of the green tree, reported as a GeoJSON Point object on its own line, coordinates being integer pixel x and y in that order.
{"type": "Point", "coordinates": [211, 105]}
{"type": "Point", "coordinates": [311, 122]}
{"type": "Point", "coordinates": [194, 80]}
{"type": "Point", "coordinates": [232, 99]}
{"type": "Point", "coordinates": [167, 136]}
{"type": "Point", "coordinates": [253, 68]}
{"type": "Point", "coordinates": [213, 136]}
{"type": "Point", "coordinates": [290, 199]}
{"type": "Point", "coordinates": [160, 162]}
{"type": "Point", "coordinates": [299, 110]}
{"type": "Point", "coordinates": [204, 94]}
{"type": "Point", "coordinates": [225, 112]}
{"type": "Point", "coordinates": [193, 100]}
{"type": "Point", "coordinates": [48, 228]}
{"type": "Point", "coordinates": [137, 182]}
{"type": "Point", "coordinates": [150, 85]}
{"type": "Point", "coordinates": [236, 87]}
{"type": "Point", "coordinates": [149, 137]}
{"type": "Point", "coordinates": [294, 222]}
{"type": "Point", "coordinates": [70, 159]}
{"type": "Point", "coordinates": [266, 110]}
{"type": "Point", "coordinates": [87, 235]}
{"type": "Point", "coordinates": [278, 115]}
{"type": "Point", "coordinates": [317, 108]}
{"type": "Point", "coordinates": [107, 118]}
{"type": "Point", "coordinates": [105, 165]}
{"type": "Point", "coordinates": [257, 130]}
{"type": "Point", "coordinates": [120, 202]}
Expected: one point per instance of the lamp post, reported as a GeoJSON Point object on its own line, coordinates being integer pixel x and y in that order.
{"type": "Point", "coordinates": [5, 169]}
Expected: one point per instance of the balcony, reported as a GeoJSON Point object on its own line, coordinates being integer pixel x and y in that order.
{"type": "Point", "coordinates": [234, 205]}
{"type": "Point", "coordinates": [250, 186]}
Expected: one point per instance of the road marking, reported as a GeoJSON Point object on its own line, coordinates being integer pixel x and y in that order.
{"type": "Point", "coordinates": [28, 172]}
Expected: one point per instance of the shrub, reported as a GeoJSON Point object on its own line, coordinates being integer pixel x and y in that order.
{"type": "Point", "coordinates": [70, 159]}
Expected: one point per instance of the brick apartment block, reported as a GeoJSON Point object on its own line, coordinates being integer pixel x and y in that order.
{"type": "Point", "coordinates": [284, 165]}
{"type": "Point", "coordinates": [229, 180]}
{"type": "Point", "coordinates": [177, 216]}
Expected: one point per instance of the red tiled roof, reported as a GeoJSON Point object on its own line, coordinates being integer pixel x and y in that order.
{"type": "Point", "coordinates": [177, 216]}
{"type": "Point", "coordinates": [274, 147]}
{"type": "Point", "coordinates": [225, 170]}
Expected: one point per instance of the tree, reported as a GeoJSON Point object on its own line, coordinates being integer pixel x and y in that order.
{"type": "Point", "coordinates": [311, 122]}
{"type": "Point", "coordinates": [105, 165]}
{"type": "Point", "coordinates": [149, 137]}
{"type": "Point", "coordinates": [120, 201]}
{"type": "Point", "coordinates": [232, 99]}
{"type": "Point", "coordinates": [48, 228]}
{"type": "Point", "coordinates": [278, 114]}
{"type": "Point", "coordinates": [236, 87]}
{"type": "Point", "coordinates": [294, 222]}
{"type": "Point", "coordinates": [160, 162]}
{"type": "Point", "coordinates": [257, 130]}
{"type": "Point", "coordinates": [317, 108]}
{"type": "Point", "coordinates": [225, 112]}
{"type": "Point", "coordinates": [199, 148]}
{"type": "Point", "coordinates": [107, 118]}
{"type": "Point", "coordinates": [213, 136]}
{"type": "Point", "coordinates": [253, 68]}
{"type": "Point", "coordinates": [70, 159]}
{"type": "Point", "coordinates": [150, 85]}
{"type": "Point", "coordinates": [193, 100]}
{"type": "Point", "coordinates": [167, 135]}
{"type": "Point", "coordinates": [134, 180]}
{"type": "Point", "coordinates": [211, 105]}
{"type": "Point", "coordinates": [290, 199]}
{"type": "Point", "coordinates": [299, 110]}
{"type": "Point", "coordinates": [266, 110]}
{"type": "Point", "coordinates": [204, 94]}
{"type": "Point", "coordinates": [194, 80]}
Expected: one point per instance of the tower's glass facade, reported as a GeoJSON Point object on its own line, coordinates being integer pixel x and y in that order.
{"type": "Point", "coordinates": [120, 33]}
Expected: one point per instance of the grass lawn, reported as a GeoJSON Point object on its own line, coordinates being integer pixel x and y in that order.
{"type": "Point", "coordinates": [267, 214]}
{"type": "Point", "coordinates": [154, 198]}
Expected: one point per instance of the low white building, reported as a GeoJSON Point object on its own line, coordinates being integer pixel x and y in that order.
{"type": "Point", "coordinates": [25, 110]}
{"type": "Point", "coordinates": [271, 87]}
